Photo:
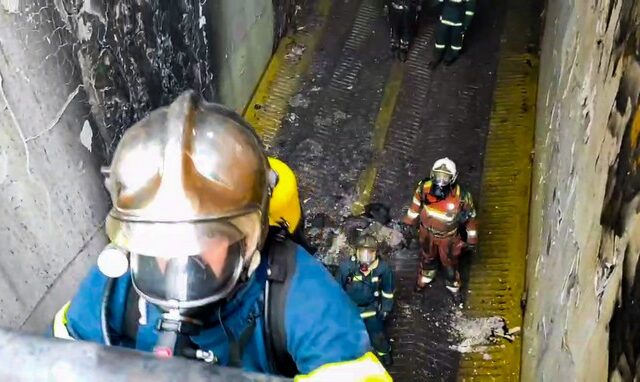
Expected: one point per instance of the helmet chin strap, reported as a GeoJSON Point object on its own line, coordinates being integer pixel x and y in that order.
{"type": "Point", "coordinates": [254, 262]}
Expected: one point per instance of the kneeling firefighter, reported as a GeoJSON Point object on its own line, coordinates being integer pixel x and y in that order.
{"type": "Point", "coordinates": [368, 280]}
{"type": "Point", "coordinates": [285, 210]}
{"type": "Point", "coordinates": [190, 190]}
{"type": "Point", "coordinates": [444, 210]}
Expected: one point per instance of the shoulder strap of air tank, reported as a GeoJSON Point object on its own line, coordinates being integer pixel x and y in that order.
{"type": "Point", "coordinates": [281, 268]}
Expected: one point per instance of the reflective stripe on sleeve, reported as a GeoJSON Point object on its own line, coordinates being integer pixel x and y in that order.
{"type": "Point", "coordinates": [364, 369]}
{"type": "Point", "coordinates": [60, 323]}
{"type": "Point", "coordinates": [387, 295]}
{"type": "Point", "coordinates": [412, 215]}
{"type": "Point", "coordinates": [469, 13]}
{"type": "Point", "coordinates": [472, 233]}
{"type": "Point", "coordinates": [368, 314]}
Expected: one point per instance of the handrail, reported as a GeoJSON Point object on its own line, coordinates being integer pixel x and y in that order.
{"type": "Point", "coordinates": [27, 357]}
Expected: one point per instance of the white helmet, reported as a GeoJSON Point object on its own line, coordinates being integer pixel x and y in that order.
{"type": "Point", "coordinates": [444, 172]}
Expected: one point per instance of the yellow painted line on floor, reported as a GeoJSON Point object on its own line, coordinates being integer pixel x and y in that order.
{"type": "Point", "coordinates": [282, 78]}
{"type": "Point", "coordinates": [367, 179]}
{"type": "Point", "coordinates": [496, 281]}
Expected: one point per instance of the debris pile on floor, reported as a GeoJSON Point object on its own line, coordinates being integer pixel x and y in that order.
{"type": "Point", "coordinates": [296, 51]}
{"type": "Point", "coordinates": [475, 334]}
{"type": "Point", "coordinates": [334, 239]}
{"type": "Point", "coordinates": [299, 100]}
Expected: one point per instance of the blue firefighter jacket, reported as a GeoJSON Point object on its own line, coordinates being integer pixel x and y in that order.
{"type": "Point", "coordinates": [322, 326]}
{"type": "Point", "coordinates": [372, 292]}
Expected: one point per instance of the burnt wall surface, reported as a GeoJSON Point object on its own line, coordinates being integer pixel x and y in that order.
{"type": "Point", "coordinates": [581, 313]}
{"type": "Point", "coordinates": [74, 75]}
{"type": "Point", "coordinates": [135, 56]}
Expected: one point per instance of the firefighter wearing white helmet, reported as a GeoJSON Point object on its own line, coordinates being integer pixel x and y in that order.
{"type": "Point", "coordinates": [190, 186]}
{"type": "Point", "coordinates": [445, 213]}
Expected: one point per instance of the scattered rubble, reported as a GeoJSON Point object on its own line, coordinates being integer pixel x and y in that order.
{"type": "Point", "coordinates": [296, 52]}
{"type": "Point", "coordinates": [475, 334]}
{"type": "Point", "coordinates": [339, 115]}
{"type": "Point", "coordinates": [292, 117]}
{"type": "Point", "coordinates": [299, 100]}
{"type": "Point", "coordinates": [335, 238]}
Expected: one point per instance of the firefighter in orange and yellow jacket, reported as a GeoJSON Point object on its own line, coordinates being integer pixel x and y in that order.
{"type": "Point", "coordinates": [445, 213]}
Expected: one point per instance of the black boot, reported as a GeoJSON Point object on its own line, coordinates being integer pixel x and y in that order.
{"type": "Point", "coordinates": [386, 359]}
{"type": "Point", "coordinates": [394, 44]}
{"type": "Point", "coordinates": [437, 59]}
{"type": "Point", "coordinates": [450, 59]}
{"type": "Point", "coordinates": [452, 281]}
{"type": "Point", "coordinates": [403, 53]}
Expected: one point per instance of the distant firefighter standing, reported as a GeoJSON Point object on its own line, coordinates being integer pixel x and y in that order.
{"type": "Point", "coordinates": [443, 210]}
{"type": "Point", "coordinates": [455, 18]}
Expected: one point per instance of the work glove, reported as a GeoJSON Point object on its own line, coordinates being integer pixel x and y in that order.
{"type": "Point", "coordinates": [471, 248]}
{"type": "Point", "coordinates": [406, 231]}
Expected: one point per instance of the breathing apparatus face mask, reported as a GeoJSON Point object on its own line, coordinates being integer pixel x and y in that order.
{"type": "Point", "coordinates": [174, 273]}
{"type": "Point", "coordinates": [191, 281]}
{"type": "Point", "coordinates": [366, 257]}
{"type": "Point", "coordinates": [441, 184]}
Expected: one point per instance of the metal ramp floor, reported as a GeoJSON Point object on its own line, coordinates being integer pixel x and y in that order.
{"type": "Point", "coordinates": [358, 126]}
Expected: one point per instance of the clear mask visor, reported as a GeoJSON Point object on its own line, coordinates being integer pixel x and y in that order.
{"type": "Point", "coordinates": [441, 178]}
{"type": "Point", "coordinates": [188, 280]}
{"type": "Point", "coordinates": [366, 255]}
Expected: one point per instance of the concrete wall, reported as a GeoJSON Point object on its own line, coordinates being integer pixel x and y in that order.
{"type": "Point", "coordinates": [52, 201]}
{"type": "Point", "coordinates": [243, 36]}
{"type": "Point", "coordinates": [584, 224]}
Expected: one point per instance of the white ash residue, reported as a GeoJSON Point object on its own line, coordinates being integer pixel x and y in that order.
{"type": "Point", "coordinates": [474, 334]}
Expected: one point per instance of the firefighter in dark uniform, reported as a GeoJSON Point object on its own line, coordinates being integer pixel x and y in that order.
{"type": "Point", "coordinates": [403, 22]}
{"type": "Point", "coordinates": [455, 18]}
{"type": "Point", "coordinates": [368, 280]}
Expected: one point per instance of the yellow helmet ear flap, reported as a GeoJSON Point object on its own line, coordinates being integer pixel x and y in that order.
{"type": "Point", "coordinates": [284, 206]}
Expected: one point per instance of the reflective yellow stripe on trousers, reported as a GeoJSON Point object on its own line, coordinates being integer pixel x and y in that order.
{"type": "Point", "coordinates": [364, 369]}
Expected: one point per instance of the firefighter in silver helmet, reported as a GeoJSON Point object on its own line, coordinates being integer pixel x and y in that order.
{"type": "Point", "coordinates": [190, 186]}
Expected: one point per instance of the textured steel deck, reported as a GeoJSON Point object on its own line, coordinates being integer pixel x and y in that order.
{"type": "Point", "coordinates": [441, 112]}
{"type": "Point", "coordinates": [496, 282]}
{"type": "Point", "coordinates": [357, 126]}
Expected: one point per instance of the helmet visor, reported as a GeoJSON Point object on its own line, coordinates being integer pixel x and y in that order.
{"type": "Point", "coordinates": [196, 280]}
{"type": "Point", "coordinates": [442, 178]}
{"type": "Point", "coordinates": [366, 255]}
{"type": "Point", "coordinates": [187, 238]}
